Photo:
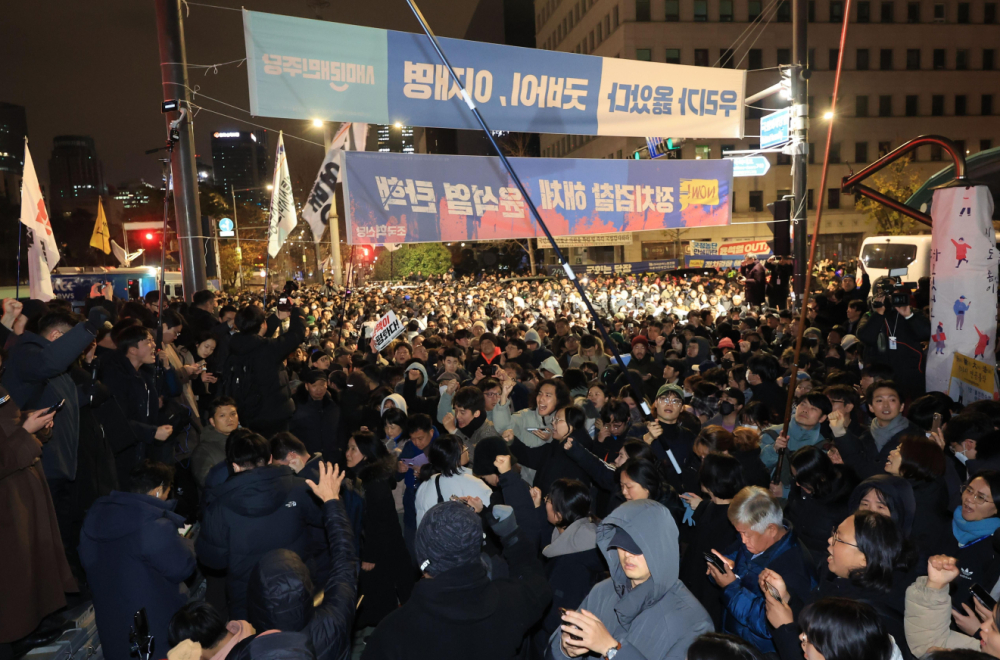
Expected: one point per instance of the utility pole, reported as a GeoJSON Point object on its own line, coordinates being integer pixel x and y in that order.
{"type": "Point", "coordinates": [173, 70]}
{"type": "Point", "coordinates": [800, 142]}
{"type": "Point", "coordinates": [334, 219]}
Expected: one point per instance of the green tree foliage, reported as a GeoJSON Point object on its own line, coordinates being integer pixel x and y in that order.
{"type": "Point", "coordinates": [427, 258]}
{"type": "Point", "coordinates": [897, 182]}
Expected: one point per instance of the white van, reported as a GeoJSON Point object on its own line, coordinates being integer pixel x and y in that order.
{"type": "Point", "coordinates": [882, 253]}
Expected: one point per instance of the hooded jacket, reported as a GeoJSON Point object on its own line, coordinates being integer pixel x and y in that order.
{"type": "Point", "coordinates": [134, 558]}
{"type": "Point", "coordinates": [264, 357]}
{"type": "Point", "coordinates": [658, 619]}
{"type": "Point", "coordinates": [137, 402]}
{"type": "Point", "coordinates": [280, 598]}
{"type": "Point", "coordinates": [704, 353]}
{"type": "Point", "coordinates": [397, 399]}
{"type": "Point", "coordinates": [249, 515]}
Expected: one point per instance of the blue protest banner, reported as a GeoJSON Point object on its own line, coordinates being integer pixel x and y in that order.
{"type": "Point", "coordinates": [306, 69]}
{"type": "Point", "coordinates": [751, 166]}
{"type": "Point", "coordinates": [774, 129]}
{"type": "Point", "coordinates": [619, 269]}
{"type": "Point", "coordinates": [397, 198]}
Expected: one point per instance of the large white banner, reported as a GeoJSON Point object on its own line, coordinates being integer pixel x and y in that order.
{"type": "Point", "coordinates": [43, 252]}
{"type": "Point", "coordinates": [350, 137]}
{"type": "Point", "coordinates": [283, 219]}
{"type": "Point", "coordinates": [963, 282]}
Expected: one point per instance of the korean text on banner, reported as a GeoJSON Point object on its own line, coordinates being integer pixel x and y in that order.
{"type": "Point", "coordinates": [411, 198]}
{"type": "Point", "coordinates": [971, 380]}
{"type": "Point", "coordinates": [350, 136]}
{"type": "Point", "coordinates": [963, 284]}
{"type": "Point", "coordinates": [283, 218]}
{"type": "Point", "coordinates": [43, 251]}
{"type": "Point", "coordinates": [304, 69]}
{"type": "Point", "coordinates": [387, 329]}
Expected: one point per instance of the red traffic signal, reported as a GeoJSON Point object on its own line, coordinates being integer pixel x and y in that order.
{"type": "Point", "coordinates": [365, 251]}
{"type": "Point", "coordinates": [149, 236]}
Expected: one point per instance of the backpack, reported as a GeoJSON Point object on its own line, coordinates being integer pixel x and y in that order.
{"type": "Point", "coordinates": [240, 382]}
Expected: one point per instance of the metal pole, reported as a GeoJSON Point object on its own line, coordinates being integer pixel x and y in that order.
{"type": "Point", "coordinates": [239, 251]}
{"type": "Point", "coordinates": [333, 220]}
{"type": "Point", "coordinates": [173, 69]}
{"type": "Point", "coordinates": [800, 143]}
{"type": "Point", "coordinates": [17, 285]}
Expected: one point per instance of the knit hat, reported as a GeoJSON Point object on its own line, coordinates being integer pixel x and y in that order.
{"type": "Point", "coordinates": [532, 336]}
{"type": "Point", "coordinates": [486, 453]}
{"type": "Point", "coordinates": [847, 341]}
{"type": "Point", "coordinates": [726, 342]}
{"type": "Point", "coordinates": [449, 536]}
{"type": "Point", "coordinates": [551, 364]}
{"type": "Point", "coordinates": [670, 388]}
{"type": "Point", "coordinates": [640, 339]}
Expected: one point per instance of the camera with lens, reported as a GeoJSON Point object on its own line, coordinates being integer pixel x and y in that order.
{"type": "Point", "coordinates": [892, 290]}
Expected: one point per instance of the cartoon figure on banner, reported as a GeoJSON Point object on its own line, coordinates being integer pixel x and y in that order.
{"type": "Point", "coordinates": [966, 206]}
{"type": "Point", "coordinates": [984, 340]}
{"type": "Point", "coordinates": [960, 308]}
{"type": "Point", "coordinates": [938, 339]}
{"type": "Point", "coordinates": [961, 251]}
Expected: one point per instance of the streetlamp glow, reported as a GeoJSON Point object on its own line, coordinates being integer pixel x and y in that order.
{"type": "Point", "coordinates": [317, 123]}
{"type": "Point", "coordinates": [828, 116]}
{"type": "Point", "coordinates": [270, 186]}
{"type": "Point", "coordinates": [398, 125]}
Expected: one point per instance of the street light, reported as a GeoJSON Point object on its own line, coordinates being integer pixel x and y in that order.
{"type": "Point", "coordinates": [828, 115]}
{"type": "Point", "coordinates": [398, 125]}
{"type": "Point", "coordinates": [270, 186]}
{"type": "Point", "coordinates": [317, 123]}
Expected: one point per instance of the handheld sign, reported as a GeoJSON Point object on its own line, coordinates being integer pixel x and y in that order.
{"type": "Point", "coordinates": [387, 329]}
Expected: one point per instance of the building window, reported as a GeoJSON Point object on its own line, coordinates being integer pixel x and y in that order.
{"type": "Point", "coordinates": [885, 59]}
{"type": "Point", "coordinates": [614, 13]}
{"type": "Point", "coordinates": [960, 105]}
{"type": "Point", "coordinates": [784, 159]}
{"type": "Point", "coordinates": [834, 152]}
{"type": "Point", "coordinates": [784, 56]}
{"type": "Point", "coordinates": [963, 12]}
{"type": "Point", "coordinates": [753, 10]}
{"type": "Point", "coordinates": [912, 59]}
{"type": "Point", "coordinates": [811, 58]}
{"type": "Point", "coordinates": [989, 58]}
{"type": "Point", "coordinates": [811, 107]}
{"type": "Point", "coordinates": [861, 62]}
{"type": "Point", "coordinates": [673, 11]}
{"type": "Point", "coordinates": [727, 58]}
{"type": "Point", "coordinates": [888, 12]}
{"type": "Point", "coordinates": [986, 105]}
{"type": "Point", "coordinates": [702, 152]}
{"type": "Point", "coordinates": [755, 60]}
{"type": "Point", "coordinates": [864, 12]}
{"type": "Point", "coordinates": [885, 105]}
{"type": "Point", "coordinates": [912, 12]}
{"type": "Point", "coordinates": [860, 152]}
{"type": "Point", "coordinates": [836, 11]}
{"type": "Point", "coordinates": [834, 56]}
{"type": "Point", "coordinates": [701, 57]}
{"type": "Point", "coordinates": [939, 13]}
{"type": "Point", "coordinates": [644, 54]}
{"type": "Point", "coordinates": [810, 202]}
{"type": "Point", "coordinates": [990, 13]}
{"type": "Point", "coordinates": [833, 198]}
{"type": "Point", "coordinates": [960, 147]}
{"type": "Point", "coordinates": [700, 11]}
{"type": "Point", "coordinates": [961, 59]}
{"type": "Point", "coordinates": [725, 11]}
{"type": "Point", "coordinates": [861, 106]}
{"type": "Point", "coordinates": [642, 10]}
{"type": "Point", "coordinates": [939, 59]}
{"type": "Point", "coordinates": [673, 56]}
{"type": "Point", "coordinates": [937, 152]}
{"type": "Point", "coordinates": [937, 105]}
{"type": "Point", "coordinates": [756, 201]}
{"type": "Point", "coordinates": [600, 34]}
{"type": "Point", "coordinates": [985, 145]}
{"type": "Point", "coordinates": [619, 153]}
{"type": "Point", "coordinates": [911, 105]}
{"type": "Point", "coordinates": [726, 148]}
{"type": "Point", "coordinates": [812, 153]}
{"type": "Point", "coordinates": [812, 11]}
{"type": "Point", "coordinates": [785, 12]}
{"type": "Point", "coordinates": [884, 148]}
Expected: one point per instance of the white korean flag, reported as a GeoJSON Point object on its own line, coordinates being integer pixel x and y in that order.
{"type": "Point", "coordinates": [963, 281]}
{"type": "Point", "coordinates": [43, 252]}
{"type": "Point", "coordinates": [350, 137]}
{"type": "Point", "coordinates": [283, 218]}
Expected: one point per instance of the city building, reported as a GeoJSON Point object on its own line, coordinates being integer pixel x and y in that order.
{"type": "Point", "coordinates": [76, 177]}
{"type": "Point", "coordinates": [134, 194]}
{"type": "Point", "coordinates": [240, 162]}
{"type": "Point", "coordinates": [913, 68]}
{"type": "Point", "coordinates": [13, 129]}
{"type": "Point", "coordinates": [205, 174]}
{"type": "Point", "coordinates": [394, 138]}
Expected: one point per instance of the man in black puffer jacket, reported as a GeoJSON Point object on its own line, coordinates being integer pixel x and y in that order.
{"type": "Point", "coordinates": [280, 594]}
{"type": "Point", "coordinates": [316, 420]}
{"type": "Point", "coordinates": [258, 509]}
{"type": "Point", "coordinates": [265, 401]}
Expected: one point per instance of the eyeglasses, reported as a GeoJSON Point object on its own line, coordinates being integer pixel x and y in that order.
{"type": "Point", "coordinates": [836, 539]}
{"type": "Point", "coordinates": [491, 394]}
{"type": "Point", "coordinates": [976, 495]}
{"type": "Point", "coordinates": [669, 399]}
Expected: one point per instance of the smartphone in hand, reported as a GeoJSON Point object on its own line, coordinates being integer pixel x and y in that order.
{"type": "Point", "coordinates": [56, 408]}
{"type": "Point", "coordinates": [714, 560]}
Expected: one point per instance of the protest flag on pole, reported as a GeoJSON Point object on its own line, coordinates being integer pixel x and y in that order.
{"type": "Point", "coordinates": [43, 252]}
{"type": "Point", "coordinates": [283, 219]}
{"type": "Point", "coordinates": [101, 238]}
{"type": "Point", "coordinates": [350, 137]}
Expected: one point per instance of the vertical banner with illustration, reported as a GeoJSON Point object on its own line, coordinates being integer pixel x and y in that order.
{"type": "Point", "coordinates": [963, 284]}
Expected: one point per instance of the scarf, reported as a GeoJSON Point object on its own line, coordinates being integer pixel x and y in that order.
{"type": "Point", "coordinates": [473, 426]}
{"type": "Point", "coordinates": [883, 434]}
{"type": "Point", "coordinates": [967, 533]}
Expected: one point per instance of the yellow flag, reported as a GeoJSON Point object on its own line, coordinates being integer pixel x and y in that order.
{"type": "Point", "coordinates": [101, 238]}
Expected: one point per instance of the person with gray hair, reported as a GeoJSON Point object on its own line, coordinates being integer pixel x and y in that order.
{"type": "Point", "coordinates": [766, 541]}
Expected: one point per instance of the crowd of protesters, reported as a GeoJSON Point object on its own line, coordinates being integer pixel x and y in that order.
{"type": "Point", "coordinates": [266, 484]}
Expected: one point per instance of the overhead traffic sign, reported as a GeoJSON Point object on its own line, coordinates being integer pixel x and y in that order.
{"type": "Point", "coordinates": [774, 128]}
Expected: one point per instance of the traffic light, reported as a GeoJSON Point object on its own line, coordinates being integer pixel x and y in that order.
{"type": "Point", "coordinates": [149, 236]}
{"type": "Point", "coordinates": [364, 251]}
{"type": "Point", "coordinates": [659, 147]}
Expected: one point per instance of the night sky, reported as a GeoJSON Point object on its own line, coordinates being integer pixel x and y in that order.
{"type": "Point", "coordinates": [91, 68]}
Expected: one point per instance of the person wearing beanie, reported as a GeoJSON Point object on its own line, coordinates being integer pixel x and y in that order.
{"type": "Point", "coordinates": [669, 440]}
{"type": "Point", "coordinates": [458, 609]}
{"type": "Point", "coordinates": [484, 461]}
{"type": "Point", "coordinates": [536, 349]}
{"type": "Point", "coordinates": [643, 362]}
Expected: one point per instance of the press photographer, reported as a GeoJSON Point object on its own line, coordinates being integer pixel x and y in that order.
{"type": "Point", "coordinates": [893, 333]}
